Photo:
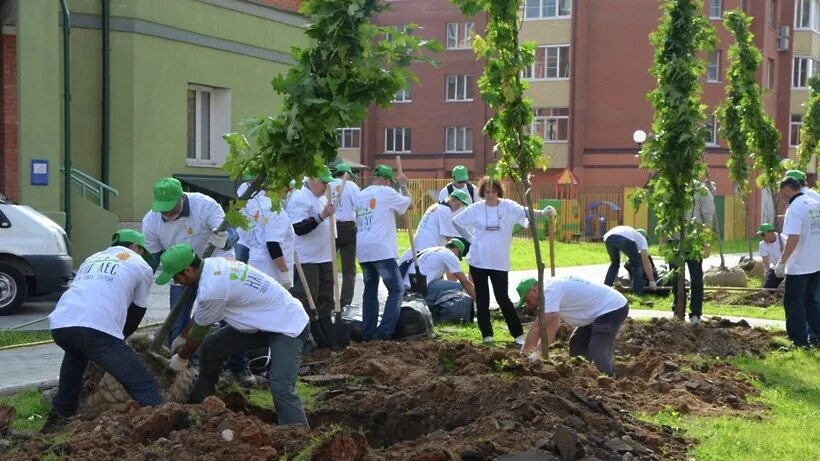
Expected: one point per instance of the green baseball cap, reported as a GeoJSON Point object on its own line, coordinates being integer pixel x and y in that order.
{"type": "Point", "coordinates": [458, 244]}
{"type": "Point", "coordinates": [344, 168]}
{"type": "Point", "coordinates": [796, 174]}
{"type": "Point", "coordinates": [134, 236]}
{"type": "Point", "coordinates": [642, 232]}
{"type": "Point", "coordinates": [523, 288]}
{"type": "Point", "coordinates": [765, 227]}
{"type": "Point", "coordinates": [461, 196]}
{"type": "Point", "coordinates": [460, 173]}
{"type": "Point", "coordinates": [174, 261]}
{"type": "Point", "coordinates": [167, 192]}
{"type": "Point", "coordinates": [384, 171]}
{"type": "Point", "coordinates": [325, 175]}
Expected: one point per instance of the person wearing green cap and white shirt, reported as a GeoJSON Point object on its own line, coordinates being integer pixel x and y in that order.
{"type": "Point", "coordinates": [801, 178]}
{"type": "Point", "coordinates": [376, 250]}
{"type": "Point", "coordinates": [346, 226]}
{"type": "Point", "coordinates": [103, 306]}
{"type": "Point", "coordinates": [633, 243]}
{"type": "Point", "coordinates": [595, 310]}
{"type": "Point", "coordinates": [255, 311]}
{"type": "Point", "coordinates": [272, 241]}
{"type": "Point", "coordinates": [308, 210]}
{"type": "Point", "coordinates": [436, 262]}
{"type": "Point", "coordinates": [770, 248]}
{"type": "Point", "coordinates": [435, 227]}
{"type": "Point", "coordinates": [460, 182]}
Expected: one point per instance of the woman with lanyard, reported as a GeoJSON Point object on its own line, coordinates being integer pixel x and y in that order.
{"type": "Point", "coordinates": [488, 226]}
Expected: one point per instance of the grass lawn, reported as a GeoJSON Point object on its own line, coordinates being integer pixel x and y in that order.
{"type": "Point", "coordinates": [789, 384]}
{"type": "Point", "coordinates": [11, 338]}
{"type": "Point", "coordinates": [709, 308]}
{"type": "Point", "coordinates": [306, 392]}
{"type": "Point", "coordinates": [31, 411]}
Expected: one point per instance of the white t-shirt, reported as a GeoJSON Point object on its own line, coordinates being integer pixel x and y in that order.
{"type": "Point", "coordinates": [246, 299]}
{"type": "Point", "coordinates": [772, 250]}
{"type": "Point", "coordinates": [803, 219]}
{"type": "Point", "coordinates": [631, 234]}
{"type": "Point", "coordinates": [346, 204]}
{"type": "Point", "coordinates": [433, 263]}
{"type": "Point", "coordinates": [810, 193]}
{"type": "Point", "coordinates": [490, 249]}
{"type": "Point", "coordinates": [204, 215]}
{"type": "Point", "coordinates": [430, 228]}
{"type": "Point", "coordinates": [578, 301]}
{"type": "Point", "coordinates": [251, 211]}
{"type": "Point", "coordinates": [313, 247]}
{"type": "Point", "coordinates": [376, 222]}
{"type": "Point", "coordinates": [445, 221]}
{"type": "Point", "coordinates": [273, 226]}
{"type": "Point", "coordinates": [105, 285]}
{"type": "Point", "coordinates": [443, 193]}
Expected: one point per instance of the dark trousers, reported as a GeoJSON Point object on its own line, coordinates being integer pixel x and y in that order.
{"type": "Point", "coordinates": [595, 341]}
{"type": "Point", "coordinates": [772, 281]}
{"type": "Point", "coordinates": [500, 281]}
{"type": "Point", "coordinates": [285, 359]}
{"type": "Point", "coordinates": [319, 278]}
{"type": "Point", "coordinates": [801, 305]}
{"type": "Point", "coordinates": [346, 246]}
{"type": "Point", "coordinates": [615, 244]}
{"type": "Point", "coordinates": [695, 284]}
{"type": "Point", "coordinates": [82, 344]}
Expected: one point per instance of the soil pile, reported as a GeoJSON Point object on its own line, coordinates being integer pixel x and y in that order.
{"type": "Point", "coordinates": [760, 298]}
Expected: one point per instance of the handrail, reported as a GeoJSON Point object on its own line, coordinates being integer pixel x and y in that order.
{"type": "Point", "coordinates": [91, 184]}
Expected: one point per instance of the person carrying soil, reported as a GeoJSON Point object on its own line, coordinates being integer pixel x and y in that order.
{"type": "Point", "coordinates": [346, 227]}
{"type": "Point", "coordinates": [103, 306]}
{"type": "Point", "coordinates": [436, 262]}
{"type": "Point", "coordinates": [770, 248]}
{"type": "Point", "coordinates": [257, 313]}
{"type": "Point", "coordinates": [436, 225]}
{"type": "Point", "coordinates": [460, 182]}
{"type": "Point", "coordinates": [800, 263]}
{"type": "Point", "coordinates": [632, 242]}
{"type": "Point", "coordinates": [488, 226]}
{"type": "Point", "coordinates": [376, 250]}
{"type": "Point", "coordinates": [595, 310]}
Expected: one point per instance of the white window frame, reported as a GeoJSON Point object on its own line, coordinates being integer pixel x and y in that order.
{"type": "Point", "coordinates": [462, 88]}
{"type": "Point", "coordinates": [553, 13]}
{"type": "Point", "coordinates": [716, 5]}
{"type": "Point", "coordinates": [794, 129]}
{"type": "Point", "coordinates": [458, 140]}
{"type": "Point", "coordinates": [403, 95]}
{"type": "Point", "coordinates": [712, 139]}
{"type": "Point", "coordinates": [459, 35]}
{"type": "Point", "coordinates": [772, 6]}
{"type": "Point", "coordinates": [798, 63]}
{"type": "Point", "coordinates": [399, 135]}
{"type": "Point", "coordinates": [715, 58]}
{"type": "Point", "coordinates": [219, 122]}
{"type": "Point", "coordinates": [814, 15]}
{"type": "Point", "coordinates": [768, 78]}
{"type": "Point", "coordinates": [532, 72]}
{"type": "Point", "coordinates": [541, 124]}
{"type": "Point", "coordinates": [355, 135]}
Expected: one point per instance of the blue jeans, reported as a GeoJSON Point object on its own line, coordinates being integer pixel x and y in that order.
{"type": "Point", "coordinates": [82, 344]}
{"type": "Point", "coordinates": [615, 244]}
{"type": "Point", "coordinates": [437, 287]}
{"type": "Point", "coordinates": [241, 253]}
{"type": "Point", "coordinates": [801, 305]}
{"type": "Point", "coordinates": [388, 271]}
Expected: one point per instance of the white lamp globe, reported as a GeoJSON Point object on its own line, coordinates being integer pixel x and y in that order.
{"type": "Point", "coordinates": [639, 136]}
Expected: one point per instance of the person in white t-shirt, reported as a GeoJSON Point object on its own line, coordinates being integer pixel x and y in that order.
{"type": "Point", "coordinates": [435, 227]}
{"type": "Point", "coordinates": [255, 312]}
{"type": "Point", "coordinates": [309, 211]}
{"type": "Point", "coordinates": [770, 248]}
{"type": "Point", "coordinates": [346, 227]}
{"type": "Point", "coordinates": [377, 252]}
{"type": "Point", "coordinates": [595, 310]}
{"type": "Point", "coordinates": [460, 182]}
{"type": "Point", "coordinates": [272, 242]}
{"type": "Point", "coordinates": [103, 306]}
{"type": "Point", "coordinates": [633, 243]}
{"type": "Point", "coordinates": [434, 263]}
{"type": "Point", "coordinates": [488, 225]}
{"type": "Point", "coordinates": [800, 262]}
{"type": "Point", "coordinates": [801, 178]}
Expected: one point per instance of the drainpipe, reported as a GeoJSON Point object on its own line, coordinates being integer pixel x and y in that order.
{"type": "Point", "coordinates": [105, 142]}
{"type": "Point", "coordinates": [67, 113]}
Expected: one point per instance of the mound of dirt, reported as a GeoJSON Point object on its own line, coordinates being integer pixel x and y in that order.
{"type": "Point", "coordinates": [752, 267]}
{"type": "Point", "coordinates": [726, 277]}
{"type": "Point", "coordinates": [760, 298]}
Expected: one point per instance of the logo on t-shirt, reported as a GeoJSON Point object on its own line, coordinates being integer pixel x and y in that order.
{"type": "Point", "coordinates": [372, 203]}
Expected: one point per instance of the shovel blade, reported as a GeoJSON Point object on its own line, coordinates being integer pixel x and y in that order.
{"type": "Point", "coordinates": [418, 284]}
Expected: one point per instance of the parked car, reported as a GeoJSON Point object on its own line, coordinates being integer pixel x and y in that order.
{"type": "Point", "coordinates": [34, 255]}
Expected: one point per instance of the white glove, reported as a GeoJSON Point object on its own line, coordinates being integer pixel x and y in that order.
{"type": "Point", "coordinates": [285, 280]}
{"type": "Point", "coordinates": [535, 356]}
{"type": "Point", "coordinates": [219, 239]}
{"type": "Point", "coordinates": [549, 211]}
{"type": "Point", "coordinates": [178, 364]}
{"type": "Point", "coordinates": [177, 344]}
{"type": "Point", "coordinates": [780, 269]}
{"type": "Point", "coordinates": [653, 285]}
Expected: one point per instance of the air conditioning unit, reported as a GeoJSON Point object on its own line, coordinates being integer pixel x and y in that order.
{"type": "Point", "coordinates": [783, 38]}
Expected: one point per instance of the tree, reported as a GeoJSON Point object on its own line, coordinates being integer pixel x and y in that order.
{"type": "Point", "coordinates": [674, 151]}
{"type": "Point", "coordinates": [810, 131]}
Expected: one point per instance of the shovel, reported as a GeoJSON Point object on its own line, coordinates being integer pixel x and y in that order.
{"type": "Point", "coordinates": [418, 281]}
{"type": "Point", "coordinates": [341, 329]}
{"type": "Point", "coordinates": [315, 330]}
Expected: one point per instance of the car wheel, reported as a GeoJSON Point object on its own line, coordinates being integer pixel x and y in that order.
{"type": "Point", "coordinates": [13, 289]}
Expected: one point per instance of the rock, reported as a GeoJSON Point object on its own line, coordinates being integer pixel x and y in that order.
{"type": "Point", "coordinates": [227, 435]}
{"type": "Point", "coordinates": [7, 414]}
{"type": "Point", "coordinates": [616, 444]}
{"type": "Point", "coordinates": [670, 366]}
{"type": "Point", "coordinates": [639, 449]}
{"type": "Point", "coordinates": [566, 440]}
{"type": "Point", "coordinates": [213, 404]}
{"type": "Point", "coordinates": [529, 455]}
{"type": "Point", "coordinates": [727, 277]}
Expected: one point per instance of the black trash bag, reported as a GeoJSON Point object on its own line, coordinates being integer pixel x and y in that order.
{"type": "Point", "coordinates": [453, 306]}
{"type": "Point", "coordinates": [415, 319]}
{"type": "Point", "coordinates": [343, 331]}
{"type": "Point", "coordinates": [351, 316]}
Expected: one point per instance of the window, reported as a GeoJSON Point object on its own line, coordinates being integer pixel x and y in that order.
{"type": "Point", "coordinates": [397, 140]}
{"type": "Point", "coordinates": [539, 9]}
{"type": "Point", "coordinates": [795, 125]}
{"type": "Point", "coordinates": [458, 139]}
{"type": "Point", "coordinates": [711, 136]}
{"type": "Point", "coordinates": [713, 68]}
{"type": "Point", "coordinates": [349, 138]}
{"type": "Point", "coordinates": [208, 118]}
{"type": "Point", "coordinates": [551, 62]}
{"type": "Point", "coordinates": [403, 95]}
{"type": "Point", "coordinates": [398, 28]}
{"type": "Point", "coordinates": [773, 14]}
{"type": "Point", "coordinates": [459, 88]}
{"type": "Point", "coordinates": [807, 14]}
{"type": "Point", "coordinates": [769, 77]}
{"type": "Point", "coordinates": [552, 124]}
{"type": "Point", "coordinates": [460, 35]}
{"type": "Point", "coordinates": [716, 9]}
{"type": "Point", "coordinates": [802, 69]}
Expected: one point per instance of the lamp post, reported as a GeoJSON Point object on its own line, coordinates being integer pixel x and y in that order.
{"type": "Point", "coordinates": [639, 136]}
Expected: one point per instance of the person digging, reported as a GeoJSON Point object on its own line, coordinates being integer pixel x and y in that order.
{"type": "Point", "coordinates": [595, 310]}
{"type": "Point", "coordinates": [434, 263]}
{"type": "Point", "coordinates": [770, 248]}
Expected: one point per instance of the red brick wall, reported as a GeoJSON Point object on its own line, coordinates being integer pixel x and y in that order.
{"type": "Point", "coordinates": [287, 5]}
{"type": "Point", "coordinates": [9, 157]}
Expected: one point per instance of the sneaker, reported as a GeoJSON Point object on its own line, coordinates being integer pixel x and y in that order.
{"type": "Point", "coordinates": [488, 339]}
{"type": "Point", "coordinates": [55, 422]}
{"type": "Point", "coordinates": [694, 320]}
{"type": "Point", "coordinates": [519, 341]}
{"type": "Point", "coordinates": [245, 378]}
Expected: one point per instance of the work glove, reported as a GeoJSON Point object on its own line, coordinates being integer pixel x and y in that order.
{"type": "Point", "coordinates": [780, 269]}
{"type": "Point", "coordinates": [549, 210]}
{"type": "Point", "coordinates": [219, 239]}
{"type": "Point", "coordinates": [535, 356]}
{"type": "Point", "coordinates": [653, 285]}
{"type": "Point", "coordinates": [177, 363]}
{"type": "Point", "coordinates": [177, 344]}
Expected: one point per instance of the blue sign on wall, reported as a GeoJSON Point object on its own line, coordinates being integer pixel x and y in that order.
{"type": "Point", "coordinates": [39, 172]}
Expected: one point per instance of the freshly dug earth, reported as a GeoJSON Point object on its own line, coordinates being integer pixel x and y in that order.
{"type": "Point", "coordinates": [434, 400]}
{"type": "Point", "coordinates": [760, 298]}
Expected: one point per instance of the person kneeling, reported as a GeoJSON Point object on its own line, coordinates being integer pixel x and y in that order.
{"type": "Point", "coordinates": [595, 310]}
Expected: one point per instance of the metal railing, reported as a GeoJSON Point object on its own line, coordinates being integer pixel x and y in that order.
{"type": "Point", "coordinates": [87, 184]}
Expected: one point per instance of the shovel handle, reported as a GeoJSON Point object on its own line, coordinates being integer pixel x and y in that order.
{"type": "Point", "coordinates": [409, 224]}
{"type": "Point", "coordinates": [304, 283]}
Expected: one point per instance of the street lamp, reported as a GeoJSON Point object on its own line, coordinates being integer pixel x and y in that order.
{"type": "Point", "coordinates": [639, 136]}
